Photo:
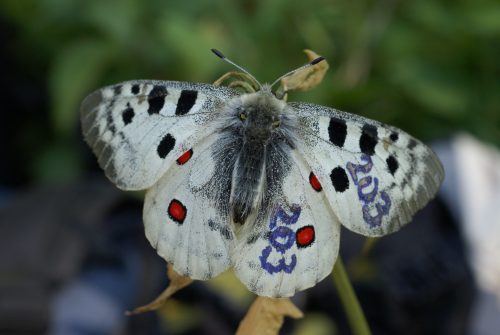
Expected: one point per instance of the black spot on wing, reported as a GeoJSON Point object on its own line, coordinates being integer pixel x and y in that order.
{"type": "Point", "coordinates": [110, 122]}
{"type": "Point", "coordinates": [186, 102]}
{"type": "Point", "coordinates": [226, 233]}
{"type": "Point", "coordinates": [166, 145]}
{"type": "Point", "coordinates": [394, 136]}
{"type": "Point", "coordinates": [412, 144]}
{"type": "Point", "coordinates": [253, 238]}
{"type": "Point", "coordinates": [339, 179]}
{"type": "Point", "coordinates": [337, 131]}
{"type": "Point", "coordinates": [267, 235]}
{"type": "Point", "coordinates": [128, 114]}
{"type": "Point", "coordinates": [117, 89]}
{"type": "Point", "coordinates": [413, 159]}
{"type": "Point", "coordinates": [223, 230]}
{"type": "Point", "coordinates": [212, 225]}
{"type": "Point", "coordinates": [368, 139]}
{"type": "Point", "coordinates": [156, 99]}
{"type": "Point", "coordinates": [217, 255]}
{"type": "Point", "coordinates": [392, 164]}
{"type": "Point", "coordinates": [135, 89]}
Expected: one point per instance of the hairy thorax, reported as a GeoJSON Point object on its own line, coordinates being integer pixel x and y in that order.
{"type": "Point", "coordinates": [260, 122]}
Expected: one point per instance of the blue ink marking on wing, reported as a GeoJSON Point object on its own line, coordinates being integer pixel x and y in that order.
{"type": "Point", "coordinates": [285, 234]}
{"type": "Point", "coordinates": [382, 209]}
{"type": "Point", "coordinates": [281, 239]}
{"type": "Point", "coordinates": [281, 266]}
{"type": "Point", "coordinates": [364, 183]}
{"type": "Point", "coordinates": [354, 169]}
{"type": "Point", "coordinates": [284, 217]}
{"type": "Point", "coordinates": [366, 196]}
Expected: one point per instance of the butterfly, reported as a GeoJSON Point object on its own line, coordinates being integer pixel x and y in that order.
{"type": "Point", "coordinates": [249, 181]}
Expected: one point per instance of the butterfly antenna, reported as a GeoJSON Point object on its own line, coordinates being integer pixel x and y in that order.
{"type": "Point", "coordinates": [224, 58]}
{"type": "Point", "coordinates": [311, 63]}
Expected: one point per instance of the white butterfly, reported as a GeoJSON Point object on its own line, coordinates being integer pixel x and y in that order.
{"type": "Point", "coordinates": [249, 181]}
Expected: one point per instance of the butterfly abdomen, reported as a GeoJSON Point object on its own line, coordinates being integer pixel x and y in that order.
{"type": "Point", "coordinates": [247, 180]}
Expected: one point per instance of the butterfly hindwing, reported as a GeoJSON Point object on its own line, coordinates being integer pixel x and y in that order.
{"type": "Point", "coordinates": [375, 176]}
{"type": "Point", "coordinates": [138, 128]}
{"type": "Point", "coordinates": [181, 220]}
{"type": "Point", "coordinates": [294, 244]}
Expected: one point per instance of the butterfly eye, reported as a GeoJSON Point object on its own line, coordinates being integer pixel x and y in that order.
{"type": "Point", "coordinates": [276, 123]}
{"type": "Point", "coordinates": [243, 116]}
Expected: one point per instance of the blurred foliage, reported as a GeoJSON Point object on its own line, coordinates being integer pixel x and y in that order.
{"type": "Point", "coordinates": [430, 67]}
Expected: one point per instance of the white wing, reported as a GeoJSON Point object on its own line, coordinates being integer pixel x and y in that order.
{"type": "Point", "coordinates": [295, 244]}
{"type": "Point", "coordinates": [375, 176]}
{"type": "Point", "coordinates": [183, 222]}
{"type": "Point", "coordinates": [137, 129]}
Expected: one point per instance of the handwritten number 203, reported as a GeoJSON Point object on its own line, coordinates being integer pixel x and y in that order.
{"type": "Point", "coordinates": [281, 239]}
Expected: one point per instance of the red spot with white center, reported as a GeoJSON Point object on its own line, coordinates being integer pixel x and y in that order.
{"type": "Point", "coordinates": [185, 157]}
{"type": "Point", "coordinates": [313, 180]}
{"type": "Point", "coordinates": [305, 236]}
{"type": "Point", "coordinates": [177, 211]}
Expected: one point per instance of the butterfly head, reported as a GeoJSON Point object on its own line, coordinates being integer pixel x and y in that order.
{"type": "Point", "coordinates": [259, 114]}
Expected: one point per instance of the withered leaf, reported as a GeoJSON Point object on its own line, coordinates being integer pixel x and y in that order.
{"type": "Point", "coordinates": [177, 282]}
{"type": "Point", "coordinates": [266, 315]}
{"type": "Point", "coordinates": [307, 78]}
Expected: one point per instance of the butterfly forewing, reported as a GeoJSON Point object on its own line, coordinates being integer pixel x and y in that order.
{"type": "Point", "coordinates": [375, 176]}
{"type": "Point", "coordinates": [137, 129]}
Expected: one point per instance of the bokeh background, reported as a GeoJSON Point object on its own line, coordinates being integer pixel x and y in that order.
{"type": "Point", "coordinates": [430, 67]}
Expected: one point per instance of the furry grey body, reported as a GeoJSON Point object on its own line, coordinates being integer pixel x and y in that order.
{"type": "Point", "coordinates": [260, 130]}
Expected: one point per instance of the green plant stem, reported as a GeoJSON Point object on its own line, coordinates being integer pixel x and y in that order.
{"type": "Point", "coordinates": [350, 302]}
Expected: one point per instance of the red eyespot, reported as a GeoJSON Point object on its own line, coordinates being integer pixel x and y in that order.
{"type": "Point", "coordinates": [177, 211]}
{"type": "Point", "coordinates": [316, 185]}
{"type": "Point", "coordinates": [185, 157]}
{"type": "Point", "coordinates": [305, 236]}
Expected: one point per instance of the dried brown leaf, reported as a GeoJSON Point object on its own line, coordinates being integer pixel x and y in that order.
{"type": "Point", "coordinates": [177, 282]}
{"type": "Point", "coordinates": [307, 78]}
{"type": "Point", "coordinates": [266, 315]}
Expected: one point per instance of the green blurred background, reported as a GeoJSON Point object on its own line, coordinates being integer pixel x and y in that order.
{"type": "Point", "coordinates": [429, 67]}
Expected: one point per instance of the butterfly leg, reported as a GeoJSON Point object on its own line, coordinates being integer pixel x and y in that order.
{"type": "Point", "coordinates": [246, 87]}
{"type": "Point", "coordinates": [239, 80]}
